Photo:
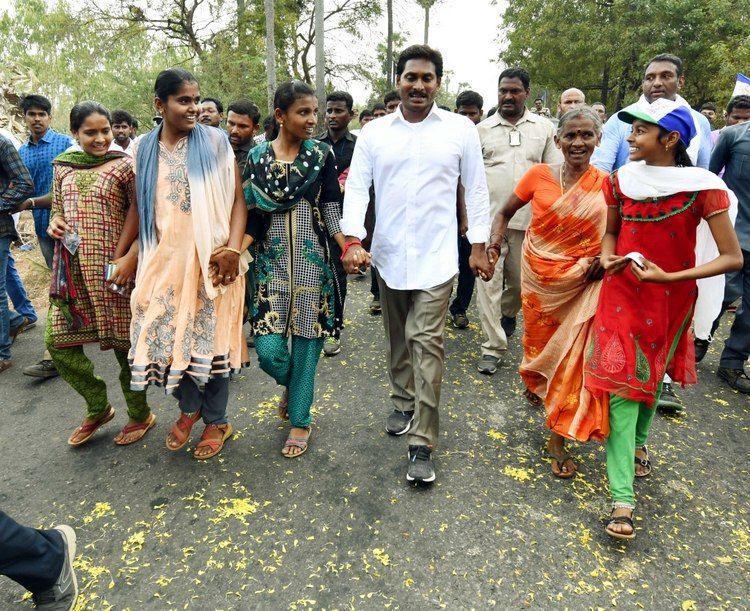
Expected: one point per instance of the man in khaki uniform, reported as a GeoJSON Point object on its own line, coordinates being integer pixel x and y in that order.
{"type": "Point", "coordinates": [513, 140]}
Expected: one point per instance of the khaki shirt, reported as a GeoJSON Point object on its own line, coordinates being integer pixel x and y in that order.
{"type": "Point", "coordinates": [506, 164]}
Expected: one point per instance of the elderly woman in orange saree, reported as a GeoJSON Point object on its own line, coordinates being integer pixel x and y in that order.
{"type": "Point", "coordinates": [560, 274]}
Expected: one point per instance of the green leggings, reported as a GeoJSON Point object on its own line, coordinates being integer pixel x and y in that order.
{"type": "Point", "coordinates": [78, 371]}
{"type": "Point", "coordinates": [295, 371]}
{"type": "Point", "coordinates": [629, 424]}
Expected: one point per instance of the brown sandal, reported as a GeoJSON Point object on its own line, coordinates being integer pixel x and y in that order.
{"type": "Point", "coordinates": [560, 460]}
{"type": "Point", "coordinates": [214, 436]}
{"type": "Point", "coordinates": [136, 427]}
{"type": "Point", "coordinates": [91, 428]}
{"type": "Point", "coordinates": [180, 430]}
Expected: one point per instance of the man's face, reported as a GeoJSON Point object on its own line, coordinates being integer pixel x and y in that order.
{"type": "Point", "coordinates": [538, 104]}
{"type": "Point", "coordinates": [738, 115]}
{"type": "Point", "coordinates": [133, 131]}
{"type": "Point", "coordinates": [511, 97]}
{"type": "Point", "coordinates": [472, 112]}
{"type": "Point", "coordinates": [240, 129]}
{"type": "Point", "coordinates": [365, 120]}
{"type": "Point", "coordinates": [378, 112]}
{"type": "Point", "coordinates": [571, 99]}
{"type": "Point", "coordinates": [210, 114]}
{"type": "Point", "coordinates": [122, 133]}
{"type": "Point", "coordinates": [709, 114]}
{"type": "Point", "coordinates": [37, 120]}
{"type": "Point", "coordinates": [601, 111]}
{"type": "Point", "coordinates": [337, 116]}
{"type": "Point", "coordinates": [661, 81]}
{"type": "Point", "coordinates": [391, 106]}
{"type": "Point", "coordinates": [418, 85]}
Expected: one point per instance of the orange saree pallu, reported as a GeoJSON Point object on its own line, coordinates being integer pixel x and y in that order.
{"type": "Point", "coordinates": [559, 306]}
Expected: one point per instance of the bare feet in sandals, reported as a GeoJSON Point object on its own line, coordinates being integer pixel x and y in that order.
{"type": "Point", "coordinates": [642, 462]}
{"type": "Point", "coordinates": [563, 465]}
{"type": "Point", "coordinates": [296, 443]}
{"type": "Point", "coordinates": [134, 430]}
{"type": "Point", "coordinates": [212, 441]}
{"type": "Point", "coordinates": [90, 426]}
{"type": "Point", "coordinates": [180, 433]}
{"type": "Point", "coordinates": [620, 524]}
{"type": "Point", "coordinates": [532, 398]}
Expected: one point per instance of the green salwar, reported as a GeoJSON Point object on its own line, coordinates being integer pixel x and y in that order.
{"type": "Point", "coordinates": [295, 371]}
{"type": "Point", "coordinates": [77, 370]}
{"type": "Point", "coordinates": [629, 424]}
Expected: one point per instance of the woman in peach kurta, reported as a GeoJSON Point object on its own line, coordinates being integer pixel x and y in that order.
{"type": "Point", "coordinates": [186, 331]}
{"type": "Point", "coordinates": [559, 283]}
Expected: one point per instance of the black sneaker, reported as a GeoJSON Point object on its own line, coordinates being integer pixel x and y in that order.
{"type": "Point", "coordinates": [701, 348]}
{"type": "Point", "coordinates": [669, 402]}
{"type": "Point", "coordinates": [460, 320]}
{"type": "Point", "coordinates": [508, 323]}
{"type": "Point", "coordinates": [44, 369]}
{"type": "Point", "coordinates": [736, 378]}
{"type": "Point", "coordinates": [398, 422]}
{"type": "Point", "coordinates": [63, 595]}
{"type": "Point", "coordinates": [420, 467]}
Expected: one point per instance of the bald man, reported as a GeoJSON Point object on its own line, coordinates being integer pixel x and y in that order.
{"type": "Point", "coordinates": [569, 99]}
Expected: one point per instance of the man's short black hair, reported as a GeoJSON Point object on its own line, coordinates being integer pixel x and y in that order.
{"type": "Point", "coordinates": [491, 111]}
{"type": "Point", "coordinates": [268, 122]}
{"type": "Point", "coordinates": [391, 96]}
{"type": "Point", "coordinates": [364, 113]}
{"type": "Point", "coordinates": [35, 100]}
{"type": "Point", "coordinates": [135, 123]}
{"type": "Point", "coordinates": [738, 101]}
{"type": "Point", "coordinates": [122, 116]}
{"type": "Point", "coordinates": [518, 73]}
{"type": "Point", "coordinates": [341, 96]}
{"type": "Point", "coordinates": [469, 98]}
{"type": "Point", "coordinates": [667, 57]}
{"type": "Point", "coordinates": [709, 106]}
{"type": "Point", "coordinates": [420, 52]}
{"type": "Point", "coordinates": [219, 105]}
{"type": "Point", "coordinates": [539, 100]}
{"type": "Point", "coordinates": [378, 106]}
{"type": "Point", "coordinates": [245, 107]}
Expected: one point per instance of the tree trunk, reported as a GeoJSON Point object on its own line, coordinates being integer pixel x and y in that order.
{"type": "Point", "coordinates": [320, 59]}
{"type": "Point", "coordinates": [426, 24]}
{"type": "Point", "coordinates": [605, 85]}
{"type": "Point", "coordinates": [389, 45]}
{"type": "Point", "coordinates": [270, 52]}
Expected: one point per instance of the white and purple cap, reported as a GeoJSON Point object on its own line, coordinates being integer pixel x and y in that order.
{"type": "Point", "coordinates": [665, 113]}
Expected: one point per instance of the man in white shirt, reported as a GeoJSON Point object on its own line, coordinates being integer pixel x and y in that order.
{"type": "Point", "coordinates": [122, 130]}
{"type": "Point", "coordinates": [415, 157]}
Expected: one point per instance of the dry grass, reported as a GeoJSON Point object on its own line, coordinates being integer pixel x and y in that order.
{"type": "Point", "coordinates": [35, 276]}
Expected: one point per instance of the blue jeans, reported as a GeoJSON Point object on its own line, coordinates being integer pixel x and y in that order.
{"type": "Point", "coordinates": [30, 557]}
{"type": "Point", "coordinates": [211, 400]}
{"type": "Point", "coordinates": [8, 318]}
{"type": "Point", "coordinates": [737, 345]}
{"type": "Point", "coordinates": [17, 292]}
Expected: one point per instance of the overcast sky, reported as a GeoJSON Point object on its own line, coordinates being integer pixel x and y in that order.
{"type": "Point", "coordinates": [467, 33]}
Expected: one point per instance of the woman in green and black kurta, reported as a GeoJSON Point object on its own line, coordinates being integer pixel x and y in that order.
{"type": "Point", "coordinates": [291, 187]}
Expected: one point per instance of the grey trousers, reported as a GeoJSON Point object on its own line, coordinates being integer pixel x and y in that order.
{"type": "Point", "coordinates": [414, 322]}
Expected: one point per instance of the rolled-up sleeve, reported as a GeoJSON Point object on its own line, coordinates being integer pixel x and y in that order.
{"type": "Point", "coordinates": [477, 196]}
{"type": "Point", "coordinates": [357, 193]}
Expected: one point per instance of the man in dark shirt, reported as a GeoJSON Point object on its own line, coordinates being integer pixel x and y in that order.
{"type": "Point", "coordinates": [732, 154]}
{"type": "Point", "coordinates": [243, 119]}
{"type": "Point", "coordinates": [15, 187]}
{"type": "Point", "coordinates": [339, 113]}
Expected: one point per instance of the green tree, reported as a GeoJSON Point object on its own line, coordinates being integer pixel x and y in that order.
{"type": "Point", "coordinates": [602, 46]}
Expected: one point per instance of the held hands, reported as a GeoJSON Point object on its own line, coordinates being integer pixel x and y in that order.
{"type": "Point", "coordinates": [480, 263]}
{"type": "Point", "coordinates": [595, 271]}
{"type": "Point", "coordinates": [356, 258]}
{"type": "Point", "coordinates": [57, 227]}
{"type": "Point", "coordinates": [124, 273]}
{"type": "Point", "coordinates": [224, 266]}
{"type": "Point", "coordinates": [613, 263]}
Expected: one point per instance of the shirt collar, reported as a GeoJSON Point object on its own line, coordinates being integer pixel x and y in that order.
{"type": "Point", "coordinates": [326, 137]}
{"type": "Point", "coordinates": [432, 115]}
{"type": "Point", "coordinates": [48, 137]}
{"type": "Point", "coordinates": [527, 116]}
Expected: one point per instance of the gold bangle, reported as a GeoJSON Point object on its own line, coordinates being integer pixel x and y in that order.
{"type": "Point", "coordinates": [234, 250]}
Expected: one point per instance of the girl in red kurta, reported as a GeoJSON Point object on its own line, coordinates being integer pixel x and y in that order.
{"type": "Point", "coordinates": [642, 326]}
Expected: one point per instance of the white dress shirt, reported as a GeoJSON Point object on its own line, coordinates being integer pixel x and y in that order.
{"type": "Point", "coordinates": [415, 168]}
{"type": "Point", "coordinates": [114, 147]}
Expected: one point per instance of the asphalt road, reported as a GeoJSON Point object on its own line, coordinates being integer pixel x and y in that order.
{"type": "Point", "coordinates": [340, 528]}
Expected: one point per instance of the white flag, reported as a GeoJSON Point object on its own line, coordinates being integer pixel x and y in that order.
{"type": "Point", "coordinates": [742, 86]}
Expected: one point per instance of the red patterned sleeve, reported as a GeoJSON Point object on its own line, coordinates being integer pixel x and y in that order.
{"type": "Point", "coordinates": [713, 202]}
{"type": "Point", "coordinates": [609, 195]}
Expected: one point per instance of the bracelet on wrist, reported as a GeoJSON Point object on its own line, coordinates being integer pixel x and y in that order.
{"type": "Point", "coordinates": [347, 246]}
{"type": "Point", "coordinates": [234, 250]}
